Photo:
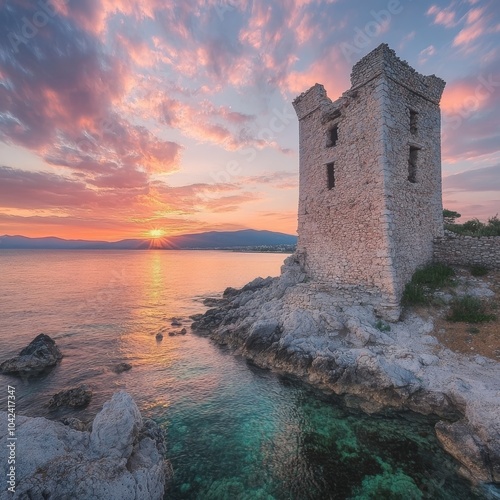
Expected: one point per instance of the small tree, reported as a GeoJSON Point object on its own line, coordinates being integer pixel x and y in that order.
{"type": "Point", "coordinates": [450, 216]}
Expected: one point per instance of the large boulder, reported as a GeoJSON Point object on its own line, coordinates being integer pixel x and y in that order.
{"type": "Point", "coordinates": [42, 353]}
{"type": "Point", "coordinates": [122, 457]}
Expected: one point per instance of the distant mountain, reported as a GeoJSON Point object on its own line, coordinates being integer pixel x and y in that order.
{"type": "Point", "coordinates": [247, 238]}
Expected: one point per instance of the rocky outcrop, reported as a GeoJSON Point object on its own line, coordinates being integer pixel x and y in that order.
{"type": "Point", "coordinates": [77, 397]}
{"type": "Point", "coordinates": [42, 353]}
{"type": "Point", "coordinates": [294, 326]}
{"type": "Point", "coordinates": [121, 457]}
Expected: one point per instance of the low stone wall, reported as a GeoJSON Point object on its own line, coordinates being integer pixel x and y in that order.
{"type": "Point", "coordinates": [468, 250]}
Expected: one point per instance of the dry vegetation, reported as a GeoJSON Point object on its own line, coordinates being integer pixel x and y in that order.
{"type": "Point", "coordinates": [481, 337]}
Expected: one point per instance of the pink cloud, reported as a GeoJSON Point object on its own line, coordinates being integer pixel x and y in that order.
{"type": "Point", "coordinates": [278, 180]}
{"type": "Point", "coordinates": [469, 95]}
{"type": "Point", "coordinates": [475, 27]}
{"type": "Point", "coordinates": [445, 17]}
{"type": "Point", "coordinates": [331, 71]}
{"type": "Point", "coordinates": [111, 140]}
{"type": "Point", "coordinates": [407, 38]}
{"type": "Point", "coordinates": [425, 54]}
{"type": "Point", "coordinates": [219, 125]}
{"type": "Point", "coordinates": [35, 190]}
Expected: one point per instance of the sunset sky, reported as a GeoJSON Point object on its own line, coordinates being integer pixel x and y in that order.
{"type": "Point", "coordinates": [119, 117]}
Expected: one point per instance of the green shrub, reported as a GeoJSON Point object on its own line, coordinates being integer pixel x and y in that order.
{"type": "Point", "coordinates": [433, 275]}
{"type": "Point", "coordinates": [478, 270]}
{"type": "Point", "coordinates": [468, 309]}
{"type": "Point", "coordinates": [424, 282]}
{"type": "Point", "coordinates": [475, 227]}
{"type": "Point", "coordinates": [415, 295]}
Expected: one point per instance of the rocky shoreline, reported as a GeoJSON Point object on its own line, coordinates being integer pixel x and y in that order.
{"type": "Point", "coordinates": [289, 324]}
{"type": "Point", "coordinates": [120, 456]}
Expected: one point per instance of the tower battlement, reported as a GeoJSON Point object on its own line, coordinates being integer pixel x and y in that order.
{"type": "Point", "coordinates": [383, 60]}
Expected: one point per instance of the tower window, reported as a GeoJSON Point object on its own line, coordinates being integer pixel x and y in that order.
{"type": "Point", "coordinates": [330, 172]}
{"type": "Point", "coordinates": [413, 121]}
{"type": "Point", "coordinates": [413, 164]}
{"type": "Point", "coordinates": [333, 136]}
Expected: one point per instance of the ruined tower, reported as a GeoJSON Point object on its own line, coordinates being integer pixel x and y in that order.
{"type": "Point", "coordinates": [370, 181]}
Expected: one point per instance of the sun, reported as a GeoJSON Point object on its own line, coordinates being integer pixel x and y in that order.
{"type": "Point", "coordinates": [156, 233]}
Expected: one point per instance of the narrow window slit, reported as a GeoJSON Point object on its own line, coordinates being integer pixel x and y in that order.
{"type": "Point", "coordinates": [413, 164]}
{"type": "Point", "coordinates": [330, 170]}
{"type": "Point", "coordinates": [413, 121]}
{"type": "Point", "coordinates": [334, 135]}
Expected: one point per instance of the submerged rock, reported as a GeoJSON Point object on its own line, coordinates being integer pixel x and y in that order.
{"type": "Point", "coordinates": [176, 322]}
{"type": "Point", "coordinates": [159, 336]}
{"type": "Point", "coordinates": [77, 397]}
{"type": "Point", "coordinates": [122, 457]}
{"type": "Point", "coordinates": [304, 328]}
{"type": "Point", "coordinates": [213, 302]}
{"type": "Point", "coordinates": [42, 353]}
{"type": "Point", "coordinates": [122, 367]}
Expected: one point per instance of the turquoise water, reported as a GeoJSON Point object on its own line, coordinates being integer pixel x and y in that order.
{"type": "Point", "coordinates": [261, 436]}
{"type": "Point", "coordinates": [234, 431]}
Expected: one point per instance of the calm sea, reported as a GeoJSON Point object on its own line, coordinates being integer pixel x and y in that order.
{"type": "Point", "coordinates": [234, 431]}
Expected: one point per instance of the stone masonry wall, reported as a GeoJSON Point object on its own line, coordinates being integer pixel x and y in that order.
{"type": "Point", "coordinates": [414, 206]}
{"type": "Point", "coordinates": [341, 238]}
{"type": "Point", "coordinates": [462, 250]}
{"type": "Point", "coordinates": [363, 226]}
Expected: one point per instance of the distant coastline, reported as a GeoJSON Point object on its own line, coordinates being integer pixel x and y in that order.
{"type": "Point", "coordinates": [243, 241]}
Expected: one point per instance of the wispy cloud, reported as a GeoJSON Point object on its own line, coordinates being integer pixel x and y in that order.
{"type": "Point", "coordinates": [475, 26]}
{"type": "Point", "coordinates": [426, 54]}
{"type": "Point", "coordinates": [480, 179]}
{"type": "Point", "coordinates": [444, 16]}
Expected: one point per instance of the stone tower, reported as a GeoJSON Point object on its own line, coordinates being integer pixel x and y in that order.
{"type": "Point", "coordinates": [370, 181]}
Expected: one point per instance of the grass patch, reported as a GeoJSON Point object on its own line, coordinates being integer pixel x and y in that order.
{"type": "Point", "coordinates": [469, 309]}
{"type": "Point", "coordinates": [433, 275]}
{"type": "Point", "coordinates": [415, 295]}
{"type": "Point", "coordinates": [478, 270]}
{"type": "Point", "coordinates": [423, 283]}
